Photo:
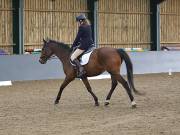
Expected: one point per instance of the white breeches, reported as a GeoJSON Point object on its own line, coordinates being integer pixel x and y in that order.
{"type": "Point", "coordinates": [76, 53]}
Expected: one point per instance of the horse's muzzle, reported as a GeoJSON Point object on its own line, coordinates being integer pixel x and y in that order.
{"type": "Point", "coordinates": [42, 61]}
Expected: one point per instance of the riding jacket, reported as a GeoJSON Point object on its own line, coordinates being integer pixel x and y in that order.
{"type": "Point", "coordinates": [84, 38]}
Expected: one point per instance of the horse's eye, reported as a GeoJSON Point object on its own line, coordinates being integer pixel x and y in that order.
{"type": "Point", "coordinates": [43, 49]}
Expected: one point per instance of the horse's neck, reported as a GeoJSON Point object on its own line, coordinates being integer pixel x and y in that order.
{"type": "Point", "coordinates": [63, 55]}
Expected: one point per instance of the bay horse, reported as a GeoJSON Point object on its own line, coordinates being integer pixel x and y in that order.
{"type": "Point", "coordinates": [102, 59]}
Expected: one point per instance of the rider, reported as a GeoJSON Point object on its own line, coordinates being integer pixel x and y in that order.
{"type": "Point", "coordinates": [82, 42]}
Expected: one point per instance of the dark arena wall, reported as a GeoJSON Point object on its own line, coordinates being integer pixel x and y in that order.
{"type": "Point", "coordinates": [27, 67]}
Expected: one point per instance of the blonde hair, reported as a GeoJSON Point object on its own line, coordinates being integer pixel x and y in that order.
{"type": "Point", "coordinates": [86, 22]}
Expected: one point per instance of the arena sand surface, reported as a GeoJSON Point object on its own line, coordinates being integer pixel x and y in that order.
{"type": "Point", "coordinates": [27, 108]}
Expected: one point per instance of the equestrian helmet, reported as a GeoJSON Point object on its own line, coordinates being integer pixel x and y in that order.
{"type": "Point", "coordinates": [80, 17]}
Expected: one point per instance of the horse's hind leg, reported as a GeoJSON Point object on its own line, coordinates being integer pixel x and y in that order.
{"type": "Point", "coordinates": [128, 90]}
{"type": "Point", "coordinates": [86, 83]}
{"type": "Point", "coordinates": [113, 86]}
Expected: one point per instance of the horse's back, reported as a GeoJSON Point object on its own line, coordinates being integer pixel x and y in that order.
{"type": "Point", "coordinates": [108, 51]}
{"type": "Point", "coordinates": [104, 53]}
{"type": "Point", "coordinates": [107, 54]}
{"type": "Point", "coordinates": [105, 58]}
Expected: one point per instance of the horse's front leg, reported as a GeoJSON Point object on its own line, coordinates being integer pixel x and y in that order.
{"type": "Point", "coordinates": [86, 83]}
{"type": "Point", "coordinates": [63, 85]}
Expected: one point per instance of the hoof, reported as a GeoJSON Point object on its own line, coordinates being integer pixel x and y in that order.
{"type": "Point", "coordinates": [97, 104]}
{"type": "Point", "coordinates": [107, 102]}
{"type": "Point", "coordinates": [133, 104]}
{"type": "Point", "coordinates": [56, 102]}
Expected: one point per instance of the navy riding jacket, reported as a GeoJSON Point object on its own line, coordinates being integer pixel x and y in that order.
{"type": "Point", "coordinates": [84, 38]}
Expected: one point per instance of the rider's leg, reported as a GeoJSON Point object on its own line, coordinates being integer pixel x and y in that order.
{"type": "Point", "coordinates": [74, 59]}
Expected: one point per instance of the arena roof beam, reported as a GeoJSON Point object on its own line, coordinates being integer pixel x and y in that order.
{"type": "Point", "coordinates": [96, 23]}
{"type": "Point", "coordinates": [155, 24]}
{"type": "Point", "coordinates": [18, 48]}
{"type": "Point", "coordinates": [21, 23]}
{"type": "Point", "coordinates": [158, 27]}
{"type": "Point", "coordinates": [93, 16]}
{"type": "Point", "coordinates": [15, 4]}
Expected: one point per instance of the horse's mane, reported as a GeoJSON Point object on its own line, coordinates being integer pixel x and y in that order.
{"type": "Point", "coordinates": [61, 44]}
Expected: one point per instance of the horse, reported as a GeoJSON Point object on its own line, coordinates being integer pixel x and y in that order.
{"type": "Point", "coordinates": [101, 60]}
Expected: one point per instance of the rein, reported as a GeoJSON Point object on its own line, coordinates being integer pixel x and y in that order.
{"type": "Point", "coordinates": [53, 57]}
{"type": "Point", "coordinates": [61, 45]}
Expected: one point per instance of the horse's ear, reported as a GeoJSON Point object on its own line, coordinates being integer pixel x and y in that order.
{"type": "Point", "coordinates": [44, 40]}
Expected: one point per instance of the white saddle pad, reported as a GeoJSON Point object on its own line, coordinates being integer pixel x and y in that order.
{"type": "Point", "coordinates": [85, 58]}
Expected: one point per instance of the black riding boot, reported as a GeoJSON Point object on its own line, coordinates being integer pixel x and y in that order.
{"type": "Point", "coordinates": [81, 70]}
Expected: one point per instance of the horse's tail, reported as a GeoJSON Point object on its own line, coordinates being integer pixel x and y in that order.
{"type": "Point", "coordinates": [129, 67]}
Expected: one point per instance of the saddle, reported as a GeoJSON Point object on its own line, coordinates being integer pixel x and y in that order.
{"type": "Point", "coordinates": [84, 57]}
